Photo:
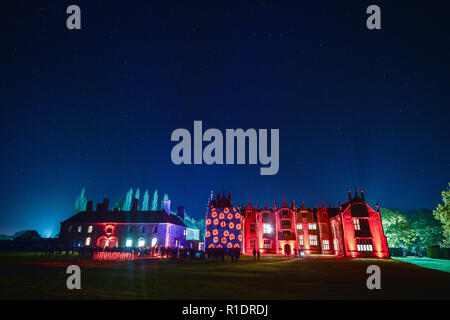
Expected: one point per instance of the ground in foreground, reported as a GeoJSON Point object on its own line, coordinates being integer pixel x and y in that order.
{"type": "Point", "coordinates": [32, 276]}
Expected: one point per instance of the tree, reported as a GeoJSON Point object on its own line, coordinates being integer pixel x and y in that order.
{"type": "Point", "coordinates": [145, 201]}
{"type": "Point", "coordinates": [397, 228]}
{"type": "Point", "coordinates": [136, 196]}
{"type": "Point", "coordinates": [128, 199]}
{"type": "Point", "coordinates": [442, 214]}
{"type": "Point", "coordinates": [80, 202]}
{"type": "Point", "coordinates": [155, 201]}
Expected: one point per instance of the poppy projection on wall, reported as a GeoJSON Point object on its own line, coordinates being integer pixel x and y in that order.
{"type": "Point", "coordinates": [223, 228]}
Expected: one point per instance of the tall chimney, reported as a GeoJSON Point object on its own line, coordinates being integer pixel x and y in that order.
{"type": "Point", "coordinates": [349, 195]}
{"type": "Point", "coordinates": [356, 192]}
{"type": "Point", "coordinates": [166, 206]}
{"type": "Point", "coordinates": [89, 206]}
{"type": "Point", "coordinates": [105, 204]}
{"type": "Point", "coordinates": [180, 212]}
{"type": "Point", "coordinates": [362, 195]}
{"type": "Point", "coordinates": [98, 208]}
{"type": "Point", "coordinates": [134, 205]}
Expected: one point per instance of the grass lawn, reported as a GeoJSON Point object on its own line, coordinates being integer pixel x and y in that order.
{"type": "Point", "coordinates": [32, 276]}
{"type": "Point", "coordinates": [437, 264]}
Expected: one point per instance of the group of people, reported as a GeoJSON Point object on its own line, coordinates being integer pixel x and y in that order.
{"type": "Point", "coordinates": [218, 254]}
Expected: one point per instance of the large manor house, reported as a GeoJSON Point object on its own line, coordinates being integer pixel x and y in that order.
{"type": "Point", "coordinates": [352, 229]}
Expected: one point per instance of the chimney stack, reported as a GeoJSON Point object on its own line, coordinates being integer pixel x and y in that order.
{"type": "Point", "coordinates": [349, 195]}
{"type": "Point", "coordinates": [362, 195]}
{"type": "Point", "coordinates": [134, 206]}
{"type": "Point", "coordinates": [180, 212]}
{"type": "Point", "coordinates": [356, 192]}
{"type": "Point", "coordinates": [98, 208]}
{"type": "Point", "coordinates": [105, 204]}
{"type": "Point", "coordinates": [89, 206]}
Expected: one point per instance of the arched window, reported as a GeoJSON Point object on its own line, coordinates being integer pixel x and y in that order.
{"type": "Point", "coordinates": [90, 229]}
{"type": "Point", "coordinates": [141, 242]}
{"type": "Point", "coordinates": [129, 242]}
{"type": "Point", "coordinates": [154, 242]}
{"type": "Point", "coordinates": [88, 241]}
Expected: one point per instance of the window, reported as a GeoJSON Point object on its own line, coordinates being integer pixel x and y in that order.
{"type": "Point", "coordinates": [88, 241]}
{"type": "Point", "coordinates": [130, 229]}
{"type": "Point", "coordinates": [285, 224]}
{"type": "Point", "coordinates": [252, 228]}
{"type": "Point", "coordinates": [90, 229]}
{"type": "Point", "coordinates": [336, 244]}
{"type": "Point", "coordinates": [252, 243]}
{"type": "Point", "coordinates": [266, 215]}
{"type": "Point", "coordinates": [356, 224]}
{"type": "Point", "coordinates": [141, 242]}
{"type": "Point", "coordinates": [285, 214]}
{"type": "Point", "coordinates": [184, 232]}
{"type": "Point", "coordinates": [300, 240]}
{"type": "Point", "coordinates": [267, 244]}
{"type": "Point", "coordinates": [267, 228]}
{"type": "Point", "coordinates": [312, 226]}
{"type": "Point", "coordinates": [286, 233]}
{"type": "Point", "coordinates": [325, 244]}
{"type": "Point", "coordinates": [323, 228]}
{"type": "Point", "coordinates": [79, 228]}
{"type": "Point", "coordinates": [364, 245]}
{"type": "Point", "coordinates": [299, 226]}
{"type": "Point", "coordinates": [142, 229]}
{"type": "Point", "coordinates": [324, 215]}
{"type": "Point", "coordinates": [313, 239]}
{"type": "Point", "coordinates": [128, 243]}
{"type": "Point", "coordinates": [304, 215]}
{"type": "Point", "coordinates": [69, 229]}
{"type": "Point", "coordinates": [155, 229]}
{"type": "Point", "coordinates": [154, 242]}
{"type": "Point", "coordinates": [109, 229]}
{"type": "Point", "coordinates": [364, 224]}
{"type": "Point", "coordinates": [249, 213]}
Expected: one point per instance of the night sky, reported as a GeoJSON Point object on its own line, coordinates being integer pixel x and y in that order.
{"type": "Point", "coordinates": [95, 108]}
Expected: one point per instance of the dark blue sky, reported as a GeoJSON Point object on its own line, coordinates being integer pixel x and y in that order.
{"type": "Point", "coordinates": [95, 108]}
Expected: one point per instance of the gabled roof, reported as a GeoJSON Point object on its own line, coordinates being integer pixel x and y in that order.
{"type": "Point", "coordinates": [125, 217]}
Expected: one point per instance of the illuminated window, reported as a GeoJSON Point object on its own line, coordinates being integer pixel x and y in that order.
{"type": "Point", "coordinates": [79, 228]}
{"type": "Point", "coordinates": [142, 229]}
{"type": "Point", "coordinates": [267, 228]}
{"type": "Point", "coordinates": [90, 229]}
{"type": "Point", "coordinates": [128, 243]}
{"type": "Point", "coordinates": [267, 244]}
{"type": "Point", "coordinates": [313, 239]}
{"type": "Point", "coordinates": [88, 241]}
{"type": "Point", "coordinates": [154, 242]}
{"type": "Point", "coordinates": [184, 232]}
{"type": "Point", "coordinates": [69, 229]}
{"type": "Point", "coordinates": [299, 226]}
{"type": "Point", "coordinates": [252, 243]}
{"type": "Point", "coordinates": [364, 245]}
{"type": "Point", "coordinates": [356, 224]}
{"type": "Point", "coordinates": [252, 228]}
{"type": "Point", "coordinates": [325, 244]}
{"type": "Point", "coordinates": [300, 240]}
{"type": "Point", "coordinates": [141, 242]}
{"type": "Point", "coordinates": [155, 229]}
{"type": "Point", "coordinates": [312, 226]}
